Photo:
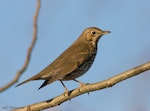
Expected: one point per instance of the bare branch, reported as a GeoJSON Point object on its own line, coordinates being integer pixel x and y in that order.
{"type": "Point", "coordinates": [86, 88]}
{"type": "Point", "coordinates": [25, 65]}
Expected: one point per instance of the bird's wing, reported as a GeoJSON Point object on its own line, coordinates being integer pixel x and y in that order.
{"type": "Point", "coordinates": [72, 64]}
{"type": "Point", "coordinates": [64, 68]}
{"type": "Point", "coordinates": [67, 62]}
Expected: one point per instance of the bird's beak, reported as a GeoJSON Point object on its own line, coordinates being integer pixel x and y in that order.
{"type": "Point", "coordinates": [106, 32]}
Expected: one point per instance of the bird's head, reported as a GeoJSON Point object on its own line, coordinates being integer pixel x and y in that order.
{"type": "Point", "coordinates": [93, 34]}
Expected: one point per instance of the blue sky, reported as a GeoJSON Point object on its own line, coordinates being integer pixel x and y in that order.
{"type": "Point", "coordinates": [59, 24]}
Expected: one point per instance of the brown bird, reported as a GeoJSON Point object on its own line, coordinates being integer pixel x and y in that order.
{"type": "Point", "coordinates": [73, 62]}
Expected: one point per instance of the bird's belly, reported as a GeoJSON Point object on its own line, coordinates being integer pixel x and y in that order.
{"type": "Point", "coordinates": [82, 69]}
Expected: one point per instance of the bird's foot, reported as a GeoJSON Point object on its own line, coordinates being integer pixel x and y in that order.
{"type": "Point", "coordinates": [67, 93]}
{"type": "Point", "coordinates": [81, 85]}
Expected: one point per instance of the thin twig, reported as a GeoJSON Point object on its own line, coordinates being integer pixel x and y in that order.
{"type": "Point", "coordinates": [86, 88]}
{"type": "Point", "coordinates": [25, 65]}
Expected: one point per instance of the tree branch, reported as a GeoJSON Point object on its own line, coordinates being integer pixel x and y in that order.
{"type": "Point", "coordinates": [34, 37]}
{"type": "Point", "coordinates": [85, 89]}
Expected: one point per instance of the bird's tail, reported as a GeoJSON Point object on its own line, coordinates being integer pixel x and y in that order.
{"type": "Point", "coordinates": [24, 82]}
{"type": "Point", "coordinates": [44, 84]}
{"type": "Point", "coordinates": [48, 81]}
{"type": "Point", "coordinates": [36, 77]}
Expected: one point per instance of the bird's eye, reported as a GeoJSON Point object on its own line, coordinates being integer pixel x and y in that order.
{"type": "Point", "coordinates": [93, 32]}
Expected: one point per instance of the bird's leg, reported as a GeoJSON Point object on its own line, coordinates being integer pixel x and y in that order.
{"type": "Point", "coordinates": [66, 90]}
{"type": "Point", "coordinates": [81, 83]}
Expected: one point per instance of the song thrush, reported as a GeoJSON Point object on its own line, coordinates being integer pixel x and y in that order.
{"type": "Point", "coordinates": [73, 62]}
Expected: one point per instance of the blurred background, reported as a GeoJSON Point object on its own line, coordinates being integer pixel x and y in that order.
{"type": "Point", "coordinates": [59, 25]}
